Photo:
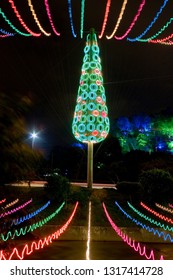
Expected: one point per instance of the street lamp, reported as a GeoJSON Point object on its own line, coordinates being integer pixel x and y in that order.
{"type": "Point", "coordinates": [34, 135]}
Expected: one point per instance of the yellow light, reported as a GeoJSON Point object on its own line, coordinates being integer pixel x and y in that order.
{"type": "Point", "coordinates": [89, 233]}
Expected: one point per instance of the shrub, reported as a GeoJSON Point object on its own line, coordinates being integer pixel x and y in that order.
{"type": "Point", "coordinates": [157, 184]}
{"type": "Point", "coordinates": [130, 190]}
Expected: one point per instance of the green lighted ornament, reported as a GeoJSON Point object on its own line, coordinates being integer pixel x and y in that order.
{"type": "Point", "coordinates": [91, 122]}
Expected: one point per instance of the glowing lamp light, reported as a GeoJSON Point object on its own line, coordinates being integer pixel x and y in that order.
{"type": "Point", "coordinates": [91, 122]}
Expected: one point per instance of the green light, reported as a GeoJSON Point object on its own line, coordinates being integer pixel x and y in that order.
{"type": "Point", "coordinates": [91, 122]}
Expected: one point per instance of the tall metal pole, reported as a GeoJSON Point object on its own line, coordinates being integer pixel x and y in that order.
{"type": "Point", "coordinates": [90, 165]}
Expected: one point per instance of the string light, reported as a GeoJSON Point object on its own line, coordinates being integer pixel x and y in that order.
{"type": "Point", "coordinates": [12, 26]}
{"type": "Point", "coordinates": [5, 34]}
{"type": "Point", "coordinates": [21, 20]}
{"type": "Point", "coordinates": [105, 18]}
{"type": "Point", "coordinates": [152, 221]}
{"type": "Point", "coordinates": [37, 245]}
{"type": "Point", "coordinates": [164, 208]}
{"type": "Point", "coordinates": [162, 217]}
{"type": "Point", "coordinates": [71, 18]}
{"type": "Point", "coordinates": [170, 205]}
{"type": "Point", "coordinates": [50, 17]}
{"type": "Point", "coordinates": [23, 231]}
{"type": "Point", "coordinates": [30, 215]}
{"type": "Point", "coordinates": [169, 43]}
{"type": "Point", "coordinates": [3, 200]}
{"type": "Point", "coordinates": [158, 33]}
{"type": "Point", "coordinates": [149, 229]}
{"type": "Point", "coordinates": [133, 22]}
{"type": "Point", "coordinates": [15, 209]}
{"type": "Point", "coordinates": [36, 19]}
{"type": "Point", "coordinates": [119, 19]}
{"type": "Point", "coordinates": [89, 233]}
{"type": "Point", "coordinates": [11, 203]}
{"type": "Point", "coordinates": [141, 249]}
{"type": "Point", "coordinates": [150, 25]}
{"type": "Point", "coordinates": [82, 17]}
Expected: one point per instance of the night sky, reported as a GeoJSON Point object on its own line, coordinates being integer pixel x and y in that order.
{"type": "Point", "coordinates": [138, 76]}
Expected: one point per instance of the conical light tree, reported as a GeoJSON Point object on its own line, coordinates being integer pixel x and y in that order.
{"type": "Point", "coordinates": [90, 122]}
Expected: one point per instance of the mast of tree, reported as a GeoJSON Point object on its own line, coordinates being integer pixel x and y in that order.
{"type": "Point", "coordinates": [90, 122]}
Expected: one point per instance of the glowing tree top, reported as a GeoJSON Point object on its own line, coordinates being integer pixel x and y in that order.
{"type": "Point", "coordinates": [91, 122]}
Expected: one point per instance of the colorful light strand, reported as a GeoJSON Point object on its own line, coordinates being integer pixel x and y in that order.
{"type": "Point", "coordinates": [50, 18]}
{"type": "Point", "coordinates": [170, 205]}
{"type": "Point", "coordinates": [5, 34]}
{"type": "Point", "coordinates": [89, 233]}
{"type": "Point", "coordinates": [15, 209]}
{"type": "Point", "coordinates": [21, 20]}
{"type": "Point", "coordinates": [119, 19]}
{"type": "Point", "coordinates": [152, 221]}
{"type": "Point", "coordinates": [141, 249]}
{"type": "Point", "coordinates": [162, 217]}
{"type": "Point", "coordinates": [82, 17]}
{"type": "Point", "coordinates": [164, 208]}
{"type": "Point", "coordinates": [11, 203]}
{"type": "Point", "coordinates": [12, 26]}
{"type": "Point", "coordinates": [23, 231]}
{"type": "Point", "coordinates": [37, 245]}
{"type": "Point", "coordinates": [150, 39]}
{"type": "Point", "coordinates": [108, 5]}
{"type": "Point", "coordinates": [133, 22]}
{"type": "Point", "coordinates": [149, 229]}
{"type": "Point", "coordinates": [138, 38]}
{"type": "Point", "coordinates": [3, 200]}
{"type": "Point", "coordinates": [20, 220]}
{"type": "Point", "coordinates": [71, 18]}
{"type": "Point", "coordinates": [36, 19]}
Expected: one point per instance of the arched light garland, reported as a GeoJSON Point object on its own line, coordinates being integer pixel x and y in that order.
{"type": "Point", "coordinates": [3, 200]}
{"type": "Point", "coordinates": [37, 245]}
{"type": "Point", "coordinates": [149, 229]}
{"type": "Point", "coordinates": [152, 221]}
{"type": "Point", "coordinates": [50, 17]}
{"type": "Point", "coordinates": [162, 217]}
{"type": "Point", "coordinates": [150, 39]}
{"type": "Point", "coordinates": [11, 203]}
{"type": "Point", "coordinates": [162, 42]}
{"type": "Point", "coordinates": [20, 220]}
{"type": "Point", "coordinates": [119, 19]}
{"type": "Point", "coordinates": [91, 121]}
{"type": "Point", "coordinates": [15, 209]}
{"type": "Point", "coordinates": [21, 20]}
{"type": "Point", "coordinates": [23, 231]}
{"type": "Point", "coordinates": [71, 18]}
{"type": "Point", "coordinates": [133, 22]}
{"type": "Point", "coordinates": [105, 18]}
{"type": "Point", "coordinates": [36, 19]}
{"type": "Point", "coordinates": [12, 26]}
{"type": "Point", "coordinates": [82, 17]}
{"type": "Point", "coordinates": [138, 38]}
{"type": "Point", "coordinates": [170, 205]}
{"type": "Point", "coordinates": [141, 249]}
{"type": "Point", "coordinates": [164, 208]}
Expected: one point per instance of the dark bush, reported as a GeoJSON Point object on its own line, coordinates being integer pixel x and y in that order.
{"type": "Point", "coordinates": [157, 184]}
{"type": "Point", "coordinates": [130, 190]}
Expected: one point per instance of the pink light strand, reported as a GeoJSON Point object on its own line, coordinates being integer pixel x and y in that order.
{"type": "Point", "coordinates": [105, 18]}
{"type": "Point", "coordinates": [162, 40]}
{"type": "Point", "coordinates": [15, 209]}
{"type": "Point", "coordinates": [3, 200]}
{"type": "Point", "coordinates": [133, 22]}
{"type": "Point", "coordinates": [119, 19]}
{"type": "Point", "coordinates": [21, 20]}
{"type": "Point", "coordinates": [162, 217]}
{"type": "Point", "coordinates": [50, 17]}
{"type": "Point", "coordinates": [37, 245]}
{"type": "Point", "coordinates": [170, 205]}
{"type": "Point", "coordinates": [131, 242]}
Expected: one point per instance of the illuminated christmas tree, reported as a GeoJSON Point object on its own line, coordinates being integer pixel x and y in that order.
{"type": "Point", "coordinates": [91, 122]}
